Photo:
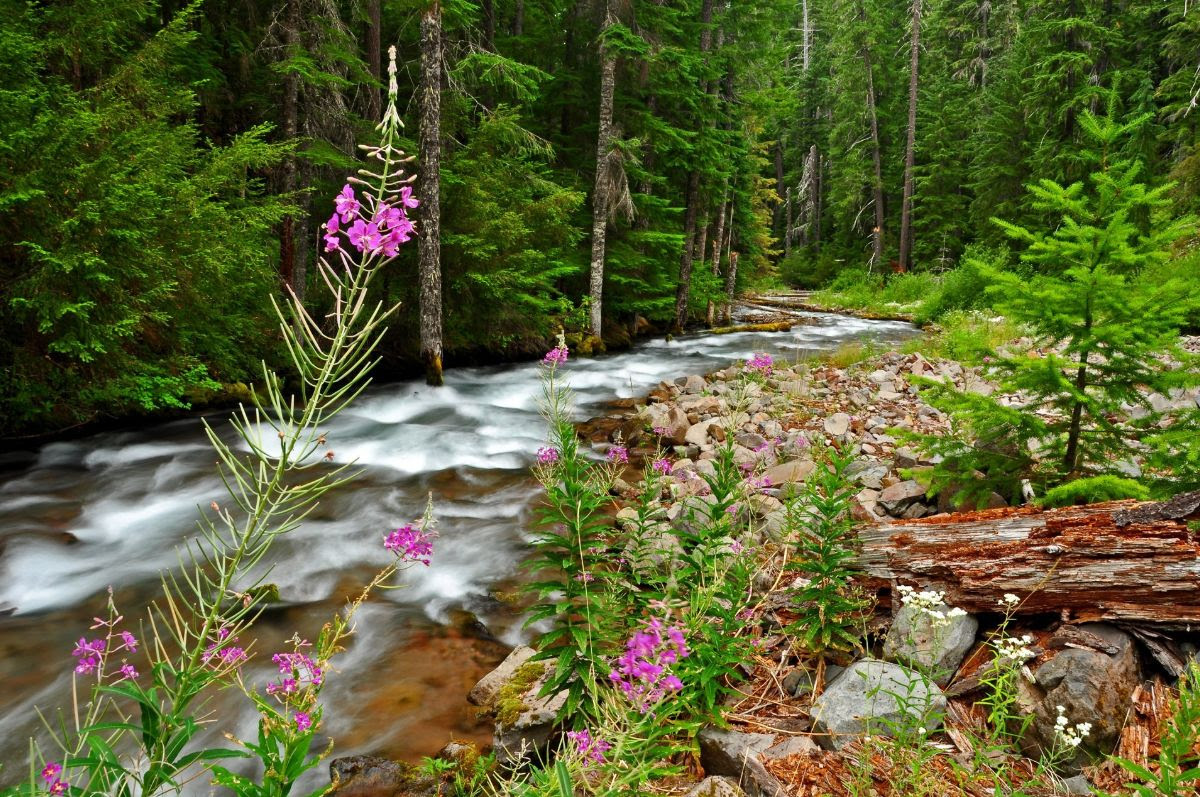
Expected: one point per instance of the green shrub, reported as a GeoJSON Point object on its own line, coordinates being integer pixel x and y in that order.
{"type": "Point", "coordinates": [965, 287]}
{"type": "Point", "coordinates": [1093, 490]}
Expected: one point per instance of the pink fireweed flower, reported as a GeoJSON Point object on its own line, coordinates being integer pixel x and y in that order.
{"type": "Point", "coordinates": [365, 237]}
{"type": "Point", "coordinates": [556, 356]}
{"type": "Point", "coordinates": [88, 655]}
{"type": "Point", "coordinates": [547, 455]}
{"type": "Point", "coordinates": [303, 721]}
{"type": "Point", "coordinates": [346, 205]}
{"type": "Point", "coordinates": [51, 771]}
{"type": "Point", "coordinates": [618, 454]}
{"type": "Point", "coordinates": [218, 655]}
{"type": "Point", "coordinates": [660, 431]}
{"type": "Point", "coordinates": [411, 544]}
{"type": "Point", "coordinates": [407, 199]}
{"type": "Point", "coordinates": [662, 465]}
{"type": "Point", "coordinates": [128, 672]}
{"type": "Point", "coordinates": [589, 749]}
{"type": "Point", "coordinates": [642, 672]}
{"type": "Point", "coordinates": [585, 578]}
{"type": "Point", "coordinates": [131, 642]}
{"type": "Point", "coordinates": [59, 787]}
{"type": "Point", "coordinates": [332, 241]}
{"type": "Point", "coordinates": [761, 363]}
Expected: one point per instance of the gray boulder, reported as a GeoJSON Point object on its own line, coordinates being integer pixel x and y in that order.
{"type": "Point", "coordinates": [716, 786]}
{"type": "Point", "coordinates": [875, 697]}
{"type": "Point", "coordinates": [918, 640]}
{"type": "Point", "coordinates": [837, 424]}
{"type": "Point", "coordinates": [1090, 685]}
{"type": "Point", "coordinates": [740, 756]}
{"type": "Point", "coordinates": [484, 693]}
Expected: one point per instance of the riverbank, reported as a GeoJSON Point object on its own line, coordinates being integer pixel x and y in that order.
{"type": "Point", "coordinates": [796, 722]}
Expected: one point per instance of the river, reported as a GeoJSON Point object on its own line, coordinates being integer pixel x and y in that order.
{"type": "Point", "coordinates": [111, 510]}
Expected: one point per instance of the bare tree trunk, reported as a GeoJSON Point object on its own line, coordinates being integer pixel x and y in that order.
{"type": "Point", "coordinates": [910, 145]}
{"type": "Point", "coordinates": [787, 224]}
{"type": "Point", "coordinates": [693, 197]}
{"type": "Point", "coordinates": [710, 315]}
{"type": "Point", "coordinates": [428, 178]}
{"type": "Point", "coordinates": [518, 23]}
{"type": "Point", "coordinates": [876, 157]}
{"type": "Point", "coordinates": [820, 185]}
{"type": "Point", "coordinates": [730, 282]}
{"type": "Point", "coordinates": [289, 127]}
{"type": "Point", "coordinates": [374, 60]}
{"type": "Point", "coordinates": [489, 26]}
{"type": "Point", "coordinates": [806, 37]}
{"type": "Point", "coordinates": [600, 197]}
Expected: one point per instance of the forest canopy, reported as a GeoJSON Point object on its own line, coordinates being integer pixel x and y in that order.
{"type": "Point", "coordinates": [592, 164]}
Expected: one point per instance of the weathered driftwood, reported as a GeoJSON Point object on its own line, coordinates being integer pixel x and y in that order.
{"type": "Point", "coordinates": [1120, 561]}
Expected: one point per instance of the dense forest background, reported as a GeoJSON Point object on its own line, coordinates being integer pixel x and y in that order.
{"type": "Point", "coordinates": [165, 167]}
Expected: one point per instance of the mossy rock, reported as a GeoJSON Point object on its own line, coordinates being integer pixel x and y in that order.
{"type": "Point", "coordinates": [510, 703]}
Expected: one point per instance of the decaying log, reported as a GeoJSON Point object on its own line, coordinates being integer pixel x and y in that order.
{"type": "Point", "coordinates": [1117, 561]}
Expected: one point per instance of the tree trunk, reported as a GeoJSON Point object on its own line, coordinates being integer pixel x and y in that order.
{"type": "Point", "coordinates": [289, 128]}
{"type": "Point", "coordinates": [374, 60]}
{"type": "Point", "coordinates": [1071, 458]}
{"type": "Point", "coordinates": [910, 144]}
{"type": "Point", "coordinates": [428, 177]}
{"type": "Point", "coordinates": [1122, 560]}
{"type": "Point", "coordinates": [600, 197]}
{"type": "Point", "coordinates": [806, 37]}
{"type": "Point", "coordinates": [876, 155]}
{"type": "Point", "coordinates": [518, 23]}
{"type": "Point", "coordinates": [730, 282]}
{"type": "Point", "coordinates": [693, 197]}
{"type": "Point", "coordinates": [685, 261]}
{"type": "Point", "coordinates": [787, 224]}
{"type": "Point", "coordinates": [489, 26]}
{"type": "Point", "coordinates": [710, 315]}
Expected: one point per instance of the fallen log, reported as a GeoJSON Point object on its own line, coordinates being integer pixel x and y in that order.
{"type": "Point", "coordinates": [1117, 561]}
{"type": "Point", "coordinates": [771, 326]}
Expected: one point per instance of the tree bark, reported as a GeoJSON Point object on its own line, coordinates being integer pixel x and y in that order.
{"type": "Point", "coordinates": [693, 196]}
{"type": "Point", "coordinates": [489, 26]}
{"type": "Point", "coordinates": [428, 178]}
{"type": "Point", "coordinates": [374, 60]}
{"type": "Point", "coordinates": [730, 281]}
{"type": "Point", "coordinates": [806, 37]}
{"type": "Point", "coordinates": [600, 197]}
{"type": "Point", "coordinates": [910, 144]}
{"type": "Point", "coordinates": [1117, 561]}
{"type": "Point", "coordinates": [710, 315]}
{"type": "Point", "coordinates": [518, 23]}
{"type": "Point", "coordinates": [876, 155]}
{"type": "Point", "coordinates": [289, 128]}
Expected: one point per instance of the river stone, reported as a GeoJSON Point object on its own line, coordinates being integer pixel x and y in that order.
{"type": "Point", "coordinates": [898, 497]}
{"type": "Point", "coordinates": [915, 641]}
{"type": "Point", "coordinates": [534, 728]}
{"type": "Point", "coordinates": [874, 697]}
{"type": "Point", "coordinates": [790, 472]}
{"type": "Point", "coordinates": [739, 755]}
{"type": "Point", "coordinates": [485, 691]}
{"type": "Point", "coordinates": [372, 776]}
{"type": "Point", "coordinates": [697, 434]}
{"type": "Point", "coordinates": [1091, 686]}
{"type": "Point", "coordinates": [837, 424]}
{"type": "Point", "coordinates": [717, 786]}
{"type": "Point", "coordinates": [692, 384]}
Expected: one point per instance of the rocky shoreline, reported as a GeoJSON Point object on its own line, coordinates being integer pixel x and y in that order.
{"type": "Point", "coordinates": [780, 735]}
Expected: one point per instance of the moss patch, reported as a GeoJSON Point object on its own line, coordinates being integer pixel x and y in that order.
{"type": "Point", "coordinates": [510, 700]}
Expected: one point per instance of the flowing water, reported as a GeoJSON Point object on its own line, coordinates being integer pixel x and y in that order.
{"type": "Point", "coordinates": [111, 510]}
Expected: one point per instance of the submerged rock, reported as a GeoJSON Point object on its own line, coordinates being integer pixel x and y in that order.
{"type": "Point", "coordinates": [372, 776]}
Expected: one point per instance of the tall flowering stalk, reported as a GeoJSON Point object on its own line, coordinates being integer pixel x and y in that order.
{"type": "Point", "coordinates": [571, 563]}
{"type": "Point", "coordinates": [132, 735]}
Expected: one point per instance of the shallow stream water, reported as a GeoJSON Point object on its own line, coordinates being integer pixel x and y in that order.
{"type": "Point", "coordinates": [111, 510]}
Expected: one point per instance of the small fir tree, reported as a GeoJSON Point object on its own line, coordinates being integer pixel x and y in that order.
{"type": "Point", "coordinates": [1103, 338]}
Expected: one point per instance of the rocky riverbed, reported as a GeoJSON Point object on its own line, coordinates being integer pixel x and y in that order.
{"type": "Point", "coordinates": [798, 722]}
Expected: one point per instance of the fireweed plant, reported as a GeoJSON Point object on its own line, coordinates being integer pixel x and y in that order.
{"type": "Point", "coordinates": [647, 628]}
{"type": "Point", "coordinates": [139, 703]}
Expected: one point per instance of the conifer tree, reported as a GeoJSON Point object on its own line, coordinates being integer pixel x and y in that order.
{"type": "Point", "coordinates": [1103, 335]}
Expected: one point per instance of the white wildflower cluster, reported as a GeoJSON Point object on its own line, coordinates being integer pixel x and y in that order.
{"type": "Point", "coordinates": [1010, 601]}
{"type": "Point", "coordinates": [1015, 649]}
{"type": "Point", "coordinates": [930, 603]}
{"type": "Point", "coordinates": [1070, 737]}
